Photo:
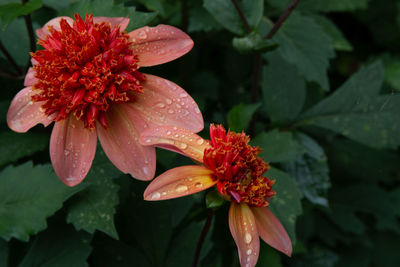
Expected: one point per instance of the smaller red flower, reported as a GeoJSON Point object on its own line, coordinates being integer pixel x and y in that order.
{"type": "Point", "coordinates": [235, 168]}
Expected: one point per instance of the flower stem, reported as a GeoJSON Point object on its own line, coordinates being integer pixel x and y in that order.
{"type": "Point", "coordinates": [10, 58]}
{"type": "Point", "coordinates": [203, 236]}
{"type": "Point", "coordinates": [242, 17]}
{"type": "Point", "coordinates": [282, 19]}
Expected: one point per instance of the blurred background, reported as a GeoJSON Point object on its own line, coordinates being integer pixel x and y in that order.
{"type": "Point", "coordinates": [320, 97]}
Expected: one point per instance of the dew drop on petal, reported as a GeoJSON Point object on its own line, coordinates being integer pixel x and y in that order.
{"type": "Point", "coordinates": [183, 146]}
{"type": "Point", "coordinates": [170, 111]}
{"type": "Point", "coordinates": [146, 170]}
{"type": "Point", "coordinates": [155, 195]}
{"type": "Point", "coordinates": [197, 110]}
{"type": "Point", "coordinates": [142, 35]}
{"type": "Point", "coordinates": [169, 133]}
{"type": "Point", "coordinates": [181, 188]}
{"type": "Point", "coordinates": [200, 141]}
{"type": "Point", "coordinates": [66, 152]}
{"type": "Point", "coordinates": [168, 101]}
{"type": "Point", "coordinates": [249, 251]}
{"type": "Point", "coordinates": [160, 105]}
{"type": "Point", "coordinates": [198, 185]}
{"type": "Point", "coordinates": [247, 238]}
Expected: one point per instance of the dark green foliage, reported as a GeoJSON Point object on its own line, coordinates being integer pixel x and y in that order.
{"type": "Point", "coordinates": [320, 98]}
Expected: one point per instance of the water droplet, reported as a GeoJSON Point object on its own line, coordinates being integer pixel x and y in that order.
{"type": "Point", "coordinates": [183, 95]}
{"type": "Point", "coordinates": [197, 110]}
{"type": "Point", "coordinates": [155, 195]}
{"type": "Point", "coordinates": [200, 141]}
{"type": "Point", "coordinates": [160, 105]}
{"type": "Point", "coordinates": [168, 101]}
{"type": "Point", "coordinates": [170, 111]}
{"type": "Point", "coordinates": [148, 140]}
{"type": "Point", "coordinates": [247, 238]}
{"type": "Point", "coordinates": [174, 128]}
{"type": "Point", "coordinates": [181, 188]}
{"type": "Point", "coordinates": [142, 35]}
{"type": "Point", "coordinates": [169, 133]}
{"type": "Point", "coordinates": [183, 146]}
{"type": "Point", "coordinates": [163, 193]}
{"type": "Point", "coordinates": [198, 185]}
{"type": "Point", "coordinates": [249, 251]}
{"type": "Point", "coordinates": [146, 170]}
{"type": "Point", "coordinates": [178, 106]}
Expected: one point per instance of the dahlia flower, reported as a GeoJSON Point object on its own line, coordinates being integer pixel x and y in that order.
{"type": "Point", "coordinates": [87, 81]}
{"type": "Point", "coordinates": [230, 163]}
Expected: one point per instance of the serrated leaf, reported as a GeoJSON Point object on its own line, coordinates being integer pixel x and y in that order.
{"type": "Point", "coordinates": [284, 90]}
{"type": "Point", "coordinates": [278, 146]}
{"type": "Point", "coordinates": [28, 195]}
{"type": "Point", "coordinates": [10, 11]}
{"type": "Point", "coordinates": [20, 145]}
{"type": "Point", "coordinates": [225, 13]}
{"type": "Point", "coordinates": [358, 112]}
{"type": "Point", "coordinates": [240, 116]}
{"type": "Point", "coordinates": [310, 171]}
{"type": "Point", "coordinates": [253, 43]}
{"type": "Point", "coordinates": [109, 9]}
{"type": "Point", "coordinates": [286, 204]}
{"type": "Point", "coordinates": [339, 42]}
{"type": "Point", "coordinates": [94, 208]}
{"type": "Point", "coordinates": [62, 247]}
{"type": "Point", "coordinates": [303, 43]}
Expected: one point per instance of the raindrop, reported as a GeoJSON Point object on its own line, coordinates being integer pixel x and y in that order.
{"type": "Point", "coordinates": [170, 111]}
{"type": "Point", "coordinates": [183, 95]}
{"type": "Point", "coordinates": [198, 185]}
{"type": "Point", "coordinates": [197, 110]}
{"type": "Point", "coordinates": [249, 251]}
{"type": "Point", "coordinates": [148, 140]}
{"type": "Point", "coordinates": [200, 141]}
{"type": "Point", "coordinates": [183, 146]}
{"type": "Point", "coordinates": [181, 188]}
{"type": "Point", "coordinates": [142, 35]}
{"type": "Point", "coordinates": [160, 105]}
{"type": "Point", "coordinates": [66, 152]}
{"type": "Point", "coordinates": [156, 195]}
{"type": "Point", "coordinates": [145, 170]}
{"type": "Point", "coordinates": [169, 133]}
{"type": "Point", "coordinates": [163, 193]}
{"type": "Point", "coordinates": [247, 238]}
{"type": "Point", "coordinates": [174, 128]}
{"type": "Point", "coordinates": [178, 106]}
{"type": "Point", "coordinates": [168, 101]}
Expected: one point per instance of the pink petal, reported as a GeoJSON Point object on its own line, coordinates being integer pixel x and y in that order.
{"type": "Point", "coordinates": [176, 139]}
{"type": "Point", "coordinates": [244, 231]}
{"type": "Point", "coordinates": [179, 182]}
{"type": "Point", "coordinates": [23, 113]}
{"type": "Point", "coordinates": [165, 103]}
{"type": "Point", "coordinates": [120, 142]}
{"type": "Point", "coordinates": [55, 23]}
{"type": "Point", "coordinates": [160, 44]}
{"type": "Point", "coordinates": [30, 78]}
{"type": "Point", "coordinates": [271, 230]}
{"type": "Point", "coordinates": [72, 149]}
{"type": "Point", "coordinates": [122, 22]}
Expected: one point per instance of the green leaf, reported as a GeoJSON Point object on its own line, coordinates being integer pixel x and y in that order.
{"type": "Point", "coordinates": [200, 19]}
{"type": "Point", "coordinates": [286, 205]}
{"type": "Point", "coordinates": [310, 171]}
{"type": "Point", "coordinates": [284, 90]}
{"type": "Point", "coordinates": [16, 40]}
{"type": "Point", "coordinates": [392, 74]}
{"type": "Point", "coordinates": [28, 195]}
{"type": "Point", "coordinates": [20, 145]}
{"type": "Point", "coordinates": [333, 5]}
{"type": "Point", "coordinates": [109, 9]}
{"type": "Point", "coordinates": [240, 116]}
{"type": "Point", "coordinates": [58, 247]}
{"type": "Point", "coordinates": [225, 13]}
{"type": "Point", "coordinates": [278, 146]}
{"type": "Point", "coordinates": [268, 256]}
{"type": "Point", "coordinates": [303, 43]}
{"type": "Point", "coordinates": [214, 200]}
{"type": "Point", "coordinates": [4, 251]}
{"type": "Point", "coordinates": [358, 112]}
{"type": "Point", "coordinates": [10, 11]}
{"type": "Point", "coordinates": [339, 41]}
{"type": "Point", "coordinates": [318, 257]}
{"type": "Point", "coordinates": [253, 43]}
{"type": "Point", "coordinates": [94, 208]}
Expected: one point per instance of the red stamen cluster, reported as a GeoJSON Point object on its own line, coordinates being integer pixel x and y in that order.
{"type": "Point", "coordinates": [237, 168]}
{"type": "Point", "coordinates": [83, 69]}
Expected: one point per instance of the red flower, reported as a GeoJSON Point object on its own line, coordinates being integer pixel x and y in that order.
{"type": "Point", "coordinates": [235, 168]}
{"type": "Point", "coordinates": [87, 80]}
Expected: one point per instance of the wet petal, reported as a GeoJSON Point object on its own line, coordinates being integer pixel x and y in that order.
{"type": "Point", "coordinates": [176, 139]}
{"type": "Point", "coordinates": [160, 44]}
{"type": "Point", "coordinates": [30, 78]}
{"type": "Point", "coordinates": [178, 182]}
{"type": "Point", "coordinates": [244, 231]}
{"type": "Point", "coordinates": [271, 230]}
{"type": "Point", "coordinates": [121, 21]}
{"type": "Point", "coordinates": [165, 103]}
{"type": "Point", "coordinates": [72, 149]}
{"type": "Point", "coordinates": [55, 23]}
{"type": "Point", "coordinates": [120, 142]}
{"type": "Point", "coordinates": [23, 113]}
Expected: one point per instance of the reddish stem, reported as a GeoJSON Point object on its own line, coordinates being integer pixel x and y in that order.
{"type": "Point", "coordinates": [282, 19]}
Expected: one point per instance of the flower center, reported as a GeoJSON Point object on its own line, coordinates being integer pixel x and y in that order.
{"type": "Point", "coordinates": [238, 168]}
{"type": "Point", "coordinates": [83, 69]}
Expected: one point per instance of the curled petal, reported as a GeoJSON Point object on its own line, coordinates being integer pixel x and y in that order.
{"type": "Point", "coordinates": [55, 23]}
{"type": "Point", "coordinates": [122, 22]}
{"type": "Point", "coordinates": [72, 149]}
{"type": "Point", "coordinates": [30, 78]}
{"type": "Point", "coordinates": [120, 142]}
{"type": "Point", "coordinates": [244, 231]}
{"type": "Point", "coordinates": [271, 230]}
{"type": "Point", "coordinates": [176, 139]}
{"type": "Point", "coordinates": [160, 44]}
{"type": "Point", "coordinates": [165, 103]}
{"type": "Point", "coordinates": [178, 182]}
{"type": "Point", "coordinates": [23, 113]}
